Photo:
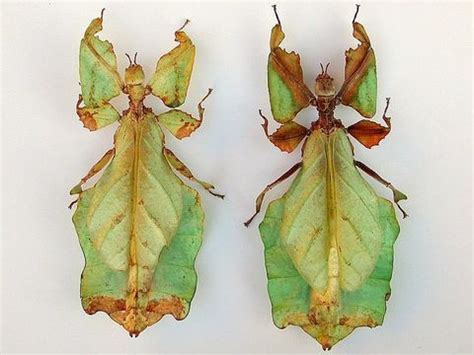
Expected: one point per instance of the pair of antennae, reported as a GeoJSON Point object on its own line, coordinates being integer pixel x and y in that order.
{"type": "Point", "coordinates": [134, 59]}
{"type": "Point", "coordinates": [324, 71]}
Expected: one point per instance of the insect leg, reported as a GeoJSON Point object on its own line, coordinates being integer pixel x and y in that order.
{"type": "Point", "coordinates": [264, 124]}
{"type": "Point", "coordinates": [184, 170]}
{"type": "Point", "coordinates": [260, 197]}
{"type": "Point", "coordinates": [93, 171]}
{"type": "Point", "coordinates": [94, 118]}
{"type": "Point", "coordinates": [370, 133]}
{"type": "Point", "coordinates": [397, 195]}
{"type": "Point", "coordinates": [287, 137]}
{"type": "Point", "coordinates": [202, 109]}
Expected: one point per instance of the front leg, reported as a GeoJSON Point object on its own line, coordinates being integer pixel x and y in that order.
{"type": "Point", "coordinates": [95, 117]}
{"type": "Point", "coordinates": [184, 170]}
{"type": "Point", "coordinates": [287, 137]}
{"type": "Point", "coordinates": [370, 133]}
{"type": "Point", "coordinates": [181, 124]}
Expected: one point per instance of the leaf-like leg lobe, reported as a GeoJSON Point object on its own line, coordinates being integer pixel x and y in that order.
{"type": "Point", "coordinates": [287, 90]}
{"type": "Point", "coordinates": [96, 117]}
{"type": "Point", "coordinates": [100, 80]}
{"type": "Point", "coordinates": [287, 137]}
{"type": "Point", "coordinates": [181, 124]}
{"type": "Point", "coordinates": [359, 89]}
{"type": "Point", "coordinates": [370, 133]}
{"type": "Point", "coordinates": [173, 72]}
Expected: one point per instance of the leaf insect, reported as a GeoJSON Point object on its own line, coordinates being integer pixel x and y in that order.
{"type": "Point", "coordinates": [329, 239]}
{"type": "Point", "coordinates": [140, 227]}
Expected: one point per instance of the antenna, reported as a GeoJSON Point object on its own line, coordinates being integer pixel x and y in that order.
{"type": "Point", "coordinates": [357, 11]}
{"type": "Point", "coordinates": [326, 70]}
{"type": "Point", "coordinates": [129, 59]}
{"type": "Point", "coordinates": [276, 14]}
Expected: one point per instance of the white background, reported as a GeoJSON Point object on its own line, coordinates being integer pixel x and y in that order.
{"type": "Point", "coordinates": [424, 63]}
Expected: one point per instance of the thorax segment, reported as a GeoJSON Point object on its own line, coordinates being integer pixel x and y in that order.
{"type": "Point", "coordinates": [326, 121]}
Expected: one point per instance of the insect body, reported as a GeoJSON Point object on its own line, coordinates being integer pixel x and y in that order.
{"type": "Point", "coordinates": [139, 226]}
{"type": "Point", "coordinates": [329, 239]}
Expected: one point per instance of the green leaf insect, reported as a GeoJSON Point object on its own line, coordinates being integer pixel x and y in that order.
{"type": "Point", "coordinates": [329, 239]}
{"type": "Point", "coordinates": [140, 227]}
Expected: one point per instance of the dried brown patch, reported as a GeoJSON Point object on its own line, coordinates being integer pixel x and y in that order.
{"type": "Point", "coordinates": [187, 129]}
{"type": "Point", "coordinates": [106, 304]}
{"type": "Point", "coordinates": [357, 321]}
{"type": "Point", "coordinates": [371, 323]}
{"type": "Point", "coordinates": [298, 319]}
{"type": "Point", "coordinates": [172, 305]}
{"type": "Point", "coordinates": [343, 320]}
{"type": "Point", "coordinates": [87, 118]}
{"type": "Point", "coordinates": [312, 318]}
{"type": "Point", "coordinates": [133, 319]}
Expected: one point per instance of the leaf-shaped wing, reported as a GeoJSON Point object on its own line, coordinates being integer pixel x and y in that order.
{"type": "Point", "coordinates": [173, 72]}
{"type": "Point", "coordinates": [360, 84]}
{"type": "Point", "coordinates": [288, 93]}
{"type": "Point", "coordinates": [328, 245]}
{"type": "Point", "coordinates": [128, 224]}
{"type": "Point", "coordinates": [329, 205]}
{"type": "Point", "coordinates": [290, 294]}
{"type": "Point", "coordinates": [100, 80]}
